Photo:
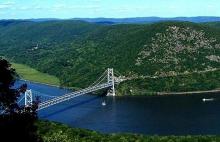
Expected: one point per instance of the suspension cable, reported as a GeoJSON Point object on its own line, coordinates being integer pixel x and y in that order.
{"type": "Point", "coordinates": [101, 80]}
{"type": "Point", "coordinates": [104, 73]}
{"type": "Point", "coordinates": [21, 99]}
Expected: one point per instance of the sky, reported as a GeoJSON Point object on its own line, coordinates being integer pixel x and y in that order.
{"type": "Point", "coordinates": [64, 9]}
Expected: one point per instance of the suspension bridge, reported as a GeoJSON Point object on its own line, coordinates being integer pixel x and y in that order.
{"type": "Point", "coordinates": [107, 80]}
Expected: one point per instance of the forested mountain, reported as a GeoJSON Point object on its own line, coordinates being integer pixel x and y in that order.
{"type": "Point", "coordinates": [165, 56]}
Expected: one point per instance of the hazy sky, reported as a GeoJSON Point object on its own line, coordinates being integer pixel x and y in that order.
{"type": "Point", "coordinates": [23, 9]}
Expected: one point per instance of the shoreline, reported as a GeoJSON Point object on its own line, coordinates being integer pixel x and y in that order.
{"type": "Point", "coordinates": [52, 85]}
{"type": "Point", "coordinates": [154, 93]}
{"type": "Point", "coordinates": [40, 83]}
{"type": "Point", "coordinates": [187, 93]}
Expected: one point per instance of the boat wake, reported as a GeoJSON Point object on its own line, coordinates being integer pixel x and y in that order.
{"type": "Point", "coordinates": [207, 99]}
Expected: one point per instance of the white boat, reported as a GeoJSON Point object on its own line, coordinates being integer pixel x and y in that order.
{"type": "Point", "coordinates": [103, 103]}
{"type": "Point", "coordinates": [209, 99]}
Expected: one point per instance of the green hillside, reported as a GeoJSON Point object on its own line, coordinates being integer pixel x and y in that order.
{"type": "Point", "coordinates": [213, 24]}
{"type": "Point", "coordinates": [183, 56]}
{"type": "Point", "coordinates": [55, 132]}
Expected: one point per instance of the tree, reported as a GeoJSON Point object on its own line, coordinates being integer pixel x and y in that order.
{"type": "Point", "coordinates": [16, 122]}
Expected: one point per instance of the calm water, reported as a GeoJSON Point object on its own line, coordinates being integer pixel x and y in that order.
{"type": "Point", "coordinates": [162, 115]}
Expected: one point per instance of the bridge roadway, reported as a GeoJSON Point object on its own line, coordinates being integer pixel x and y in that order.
{"type": "Point", "coordinates": [68, 96]}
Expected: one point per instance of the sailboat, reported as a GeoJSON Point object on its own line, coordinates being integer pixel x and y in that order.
{"type": "Point", "coordinates": [103, 103]}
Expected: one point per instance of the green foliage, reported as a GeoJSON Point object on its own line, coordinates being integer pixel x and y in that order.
{"type": "Point", "coordinates": [15, 121]}
{"type": "Point", "coordinates": [54, 132]}
{"type": "Point", "coordinates": [78, 52]}
{"type": "Point", "coordinates": [180, 83]}
{"type": "Point", "coordinates": [213, 24]}
{"type": "Point", "coordinates": [56, 137]}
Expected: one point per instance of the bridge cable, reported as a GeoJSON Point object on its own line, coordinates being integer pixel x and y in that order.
{"type": "Point", "coordinates": [98, 79]}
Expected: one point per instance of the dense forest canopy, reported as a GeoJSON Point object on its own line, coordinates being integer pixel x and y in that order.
{"type": "Point", "coordinates": [78, 52]}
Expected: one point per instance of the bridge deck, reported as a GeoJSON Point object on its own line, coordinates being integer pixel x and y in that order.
{"type": "Point", "coordinates": [69, 96]}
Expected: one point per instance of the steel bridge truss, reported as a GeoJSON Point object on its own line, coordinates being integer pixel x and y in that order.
{"type": "Point", "coordinates": [106, 80]}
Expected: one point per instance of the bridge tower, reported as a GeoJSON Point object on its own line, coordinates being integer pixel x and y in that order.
{"type": "Point", "coordinates": [111, 80]}
{"type": "Point", "coordinates": [28, 98]}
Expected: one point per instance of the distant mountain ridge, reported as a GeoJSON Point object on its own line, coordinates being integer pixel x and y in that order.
{"type": "Point", "coordinates": [132, 20]}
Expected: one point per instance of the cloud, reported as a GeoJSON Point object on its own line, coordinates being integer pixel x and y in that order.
{"type": "Point", "coordinates": [58, 7]}
{"type": "Point", "coordinates": [69, 7]}
{"type": "Point", "coordinates": [95, 1]}
{"type": "Point", "coordinates": [30, 7]}
{"type": "Point", "coordinates": [125, 9]}
{"type": "Point", "coordinates": [211, 6]}
{"type": "Point", "coordinates": [6, 5]}
{"type": "Point", "coordinates": [23, 8]}
{"type": "Point", "coordinates": [38, 7]}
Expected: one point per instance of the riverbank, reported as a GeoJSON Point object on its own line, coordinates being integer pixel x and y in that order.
{"type": "Point", "coordinates": [146, 93]}
{"type": "Point", "coordinates": [33, 75]}
{"type": "Point", "coordinates": [189, 93]}
{"type": "Point", "coordinates": [54, 132]}
{"type": "Point", "coordinates": [143, 86]}
{"type": "Point", "coordinates": [198, 82]}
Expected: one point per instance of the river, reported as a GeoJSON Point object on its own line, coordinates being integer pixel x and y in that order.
{"type": "Point", "coordinates": [151, 115]}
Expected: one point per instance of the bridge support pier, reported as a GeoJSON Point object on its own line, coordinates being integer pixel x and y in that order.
{"type": "Point", "coordinates": [111, 80]}
{"type": "Point", "coordinates": [28, 98]}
